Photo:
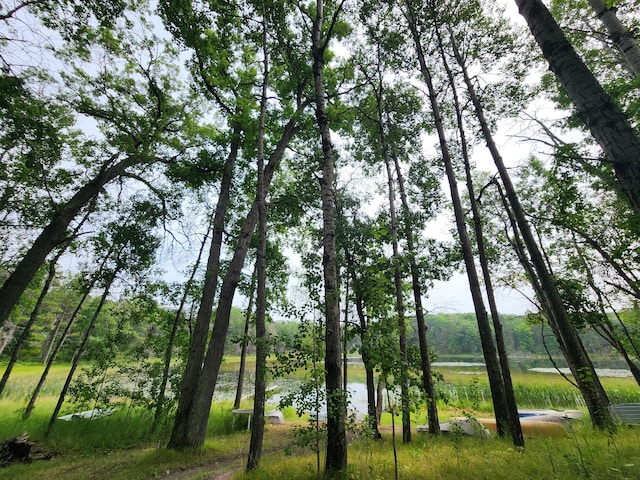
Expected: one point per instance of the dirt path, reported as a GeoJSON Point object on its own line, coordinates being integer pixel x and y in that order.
{"type": "Point", "coordinates": [222, 469]}
{"type": "Point", "coordinates": [225, 468]}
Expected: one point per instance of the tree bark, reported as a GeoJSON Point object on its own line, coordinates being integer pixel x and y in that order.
{"type": "Point", "coordinates": [336, 456]}
{"type": "Point", "coordinates": [607, 123]}
{"type": "Point", "coordinates": [200, 334]}
{"type": "Point", "coordinates": [425, 353]}
{"type": "Point", "coordinates": [191, 425]}
{"type": "Point", "coordinates": [619, 34]}
{"type": "Point", "coordinates": [257, 430]}
{"type": "Point", "coordinates": [397, 280]}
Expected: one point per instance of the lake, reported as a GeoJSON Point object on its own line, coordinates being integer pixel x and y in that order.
{"type": "Point", "coordinates": [605, 367]}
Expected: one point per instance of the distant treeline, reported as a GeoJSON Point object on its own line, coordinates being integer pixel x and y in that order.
{"type": "Point", "coordinates": [457, 334]}
{"type": "Point", "coordinates": [138, 325]}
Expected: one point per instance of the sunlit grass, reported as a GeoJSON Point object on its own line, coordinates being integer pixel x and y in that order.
{"type": "Point", "coordinates": [123, 445]}
{"type": "Point", "coordinates": [584, 454]}
{"type": "Point", "coordinates": [24, 377]}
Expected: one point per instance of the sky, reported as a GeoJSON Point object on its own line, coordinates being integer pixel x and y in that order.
{"type": "Point", "coordinates": [454, 297]}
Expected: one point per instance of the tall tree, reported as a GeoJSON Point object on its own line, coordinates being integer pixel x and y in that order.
{"type": "Point", "coordinates": [398, 283]}
{"type": "Point", "coordinates": [606, 121]}
{"type": "Point", "coordinates": [198, 386]}
{"type": "Point", "coordinates": [358, 252]}
{"type": "Point", "coordinates": [622, 37]}
{"type": "Point", "coordinates": [577, 357]}
{"type": "Point", "coordinates": [257, 431]}
{"type": "Point", "coordinates": [440, 20]}
{"type": "Point", "coordinates": [336, 459]}
{"type": "Point", "coordinates": [139, 119]}
{"type": "Point", "coordinates": [491, 360]}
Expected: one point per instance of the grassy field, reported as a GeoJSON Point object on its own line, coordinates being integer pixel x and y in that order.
{"type": "Point", "coordinates": [122, 446]}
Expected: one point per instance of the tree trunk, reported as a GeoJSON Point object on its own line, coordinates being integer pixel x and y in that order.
{"type": "Point", "coordinates": [32, 318]}
{"type": "Point", "coordinates": [572, 347]}
{"type": "Point", "coordinates": [191, 425]}
{"type": "Point", "coordinates": [245, 341]}
{"type": "Point", "coordinates": [372, 413]}
{"type": "Point", "coordinates": [336, 457]}
{"type": "Point", "coordinates": [78, 354]}
{"type": "Point", "coordinates": [607, 123]}
{"type": "Point", "coordinates": [51, 336]}
{"type": "Point", "coordinates": [52, 235]}
{"type": "Point", "coordinates": [493, 368]}
{"type": "Point", "coordinates": [380, 397]}
{"type": "Point", "coordinates": [577, 358]}
{"type": "Point", "coordinates": [257, 430]}
{"type": "Point", "coordinates": [201, 329]}
{"type": "Point", "coordinates": [511, 416]}
{"type": "Point", "coordinates": [368, 367]}
{"type": "Point", "coordinates": [168, 353]}
{"type": "Point", "coordinates": [397, 280]}
{"type": "Point", "coordinates": [425, 354]}
{"type": "Point", "coordinates": [623, 38]}
{"type": "Point", "coordinates": [345, 340]}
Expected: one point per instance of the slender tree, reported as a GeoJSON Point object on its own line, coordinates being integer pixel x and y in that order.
{"type": "Point", "coordinates": [577, 357]}
{"type": "Point", "coordinates": [513, 426]}
{"type": "Point", "coordinates": [336, 459]}
{"type": "Point", "coordinates": [245, 340]}
{"type": "Point", "coordinates": [491, 360]}
{"type": "Point", "coordinates": [80, 350]}
{"type": "Point", "coordinates": [398, 283]}
{"type": "Point", "coordinates": [90, 283]}
{"type": "Point", "coordinates": [354, 261]}
{"type": "Point", "coordinates": [257, 431]}
{"type": "Point", "coordinates": [177, 319]}
{"type": "Point", "coordinates": [619, 34]}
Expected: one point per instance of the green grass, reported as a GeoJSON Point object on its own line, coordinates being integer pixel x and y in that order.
{"type": "Point", "coordinates": [123, 446]}
{"type": "Point", "coordinates": [25, 376]}
{"type": "Point", "coordinates": [585, 454]}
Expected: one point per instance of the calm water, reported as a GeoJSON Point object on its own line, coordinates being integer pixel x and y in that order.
{"type": "Point", "coordinates": [609, 367]}
{"type": "Point", "coordinates": [605, 367]}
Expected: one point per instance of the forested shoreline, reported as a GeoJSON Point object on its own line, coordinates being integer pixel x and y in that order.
{"type": "Point", "coordinates": [125, 328]}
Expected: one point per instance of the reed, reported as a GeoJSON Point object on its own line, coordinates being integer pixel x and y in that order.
{"type": "Point", "coordinates": [123, 445]}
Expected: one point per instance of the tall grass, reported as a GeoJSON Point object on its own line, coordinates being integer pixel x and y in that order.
{"type": "Point", "coordinates": [532, 390]}
{"type": "Point", "coordinates": [583, 454]}
{"type": "Point", "coordinates": [123, 445]}
{"type": "Point", "coordinates": [24, 378]}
